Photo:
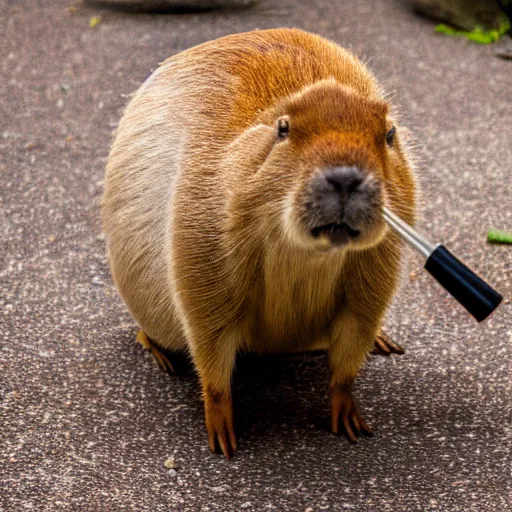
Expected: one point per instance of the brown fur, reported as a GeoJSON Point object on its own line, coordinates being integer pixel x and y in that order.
{"type": "Point", "coordinates": [202, 207]}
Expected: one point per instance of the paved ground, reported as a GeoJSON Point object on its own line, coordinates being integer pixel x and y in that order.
{"type": "Point", "coordinates": [88, 419]}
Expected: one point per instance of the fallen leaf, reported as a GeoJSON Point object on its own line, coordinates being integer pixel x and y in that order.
{"type": "Point", "coordinates": [94, 21]}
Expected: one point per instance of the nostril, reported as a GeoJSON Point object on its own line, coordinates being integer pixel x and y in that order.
{"type": "Point", "coordinates": [344, 179]}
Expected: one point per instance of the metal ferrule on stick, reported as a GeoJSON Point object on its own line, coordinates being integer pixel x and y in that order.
{"type": "Point", "coordinates": [409, 234]}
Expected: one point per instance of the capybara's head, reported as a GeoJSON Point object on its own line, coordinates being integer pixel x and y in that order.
{"type": "Point", "coordinates": [336, 160]}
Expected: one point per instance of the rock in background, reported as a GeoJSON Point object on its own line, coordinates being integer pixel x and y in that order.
{"type": "Point", "coordinates": [170, 5]}
{"type": "Point", "coordinates": [464, 14]}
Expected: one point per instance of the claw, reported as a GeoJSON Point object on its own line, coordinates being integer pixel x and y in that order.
{"type": "Point", "coordinates": [221, 436]}
{"type": "Point", "coordinates": [157, 353]}
{"type": "Point", "coordinates": [348, 430]}
{"type": "Point", "coordinates": [385, 346]}
{"type": "Point", "coordinates": [219, 424]}
{"type": "Point", "coordinates": [366, 429]}
{"type": "Point", "coordinates": [357, 424]}
{"type": "Point", "coordinates": [343, 404]}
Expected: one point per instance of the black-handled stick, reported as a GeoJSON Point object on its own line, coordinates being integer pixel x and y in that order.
{"type": "Point", "coordinates": [457, 279]}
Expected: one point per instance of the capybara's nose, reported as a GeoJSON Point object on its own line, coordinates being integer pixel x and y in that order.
{"type": "Point", "coordinates": [341, 201]}
{"type": "Point", "coordinates": [344, 180]}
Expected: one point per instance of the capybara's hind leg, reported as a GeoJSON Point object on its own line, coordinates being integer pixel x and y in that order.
{"type": "Point", "coordinates": [158, 354]}
{"type": "Point", "coordinates": [385, 346]}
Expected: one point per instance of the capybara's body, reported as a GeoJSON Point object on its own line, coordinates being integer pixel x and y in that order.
{"type": "Point", "coordinates": [242, 208]}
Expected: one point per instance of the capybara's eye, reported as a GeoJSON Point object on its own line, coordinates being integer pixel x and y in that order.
{"type": "Point", "coordinates": [390, 136]}
{"type": "Point", "coordinates": [283, 127]}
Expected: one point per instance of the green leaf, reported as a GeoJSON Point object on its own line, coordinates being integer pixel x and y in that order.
{"type": "Point", "coordinates": [499, 237]}
{"type": "Point", "coordinates": [478, 34]}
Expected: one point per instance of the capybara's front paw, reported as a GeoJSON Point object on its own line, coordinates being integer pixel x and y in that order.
{"type": "Point", "coordinates": [345, 410]}
{"type": "Point", "coordinates": [219, 423]}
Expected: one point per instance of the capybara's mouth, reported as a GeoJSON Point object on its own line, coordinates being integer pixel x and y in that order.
{"type": "Point", "coordinates": [337, 233]}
